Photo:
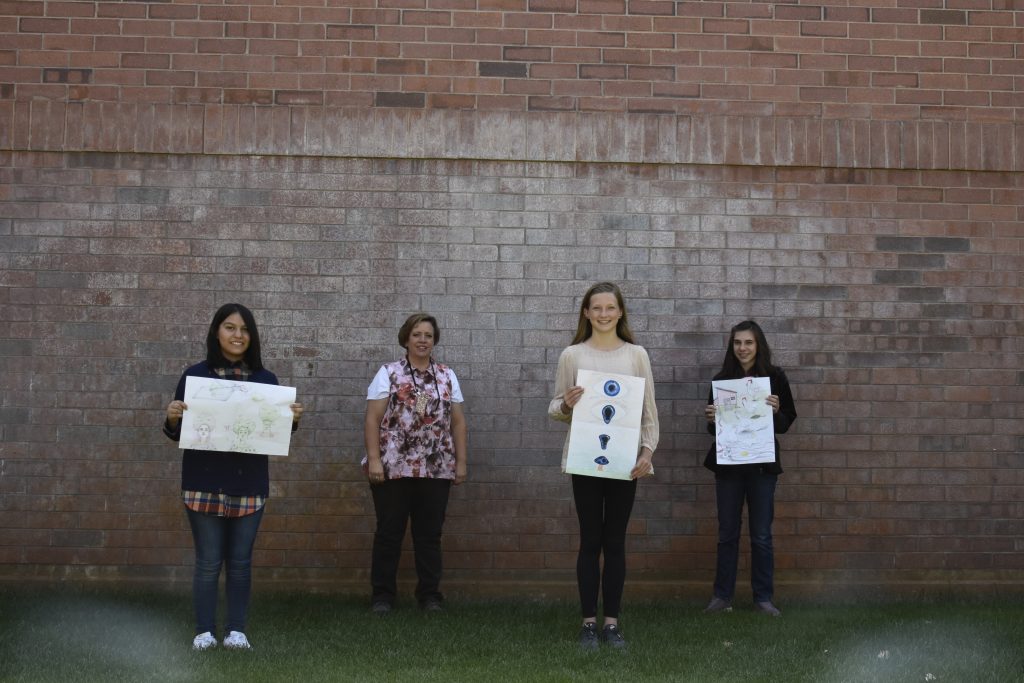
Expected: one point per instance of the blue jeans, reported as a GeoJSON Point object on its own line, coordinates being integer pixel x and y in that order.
{"type": "Point", "coordinates": [226, 541]}
{"type": "Point", "coordinates": [758, 490]}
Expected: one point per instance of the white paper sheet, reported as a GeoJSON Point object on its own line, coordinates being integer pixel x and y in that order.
{"type": "Point", "coordinates": [245, 417]}
{"type": "Point", "coordinates": [604, 436]}
{"type": "Point", "coordinates": [744, 426]}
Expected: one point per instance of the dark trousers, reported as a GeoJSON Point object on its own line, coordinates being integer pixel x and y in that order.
{"type": "Point", "coordinates": [758, 491]}
{"type": "Point", "coordinates": [227, 542]}
{"type": "Point", "coordinates": [396, 502]}
{"type": "Point", "coordinates": [603, 507]}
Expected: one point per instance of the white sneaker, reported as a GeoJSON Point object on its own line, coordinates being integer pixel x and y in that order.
{"type": "Point", "coordinates": [236, 640]}
{"type": "Point", "coordinates": [204, 641]}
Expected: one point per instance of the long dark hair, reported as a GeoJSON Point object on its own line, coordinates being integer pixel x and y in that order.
{"type": "Point", "coordinates": [214, 358]}
{"type": "Point", "coordinates": [584, 330]}
{"type": "Point", "coordinates": [763, 367]}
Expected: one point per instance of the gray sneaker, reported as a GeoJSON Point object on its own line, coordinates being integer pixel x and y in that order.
{"type": "Point", "coordinates": [588, 636]}
{"type": "Point", "coordinates": [613, 636]}
{"type": "Point", "coordinates": [718, 605]}
{"type": "Point", "coordinates": [768, 608]}
{"type": "Point", "coordinates": [381, 608]}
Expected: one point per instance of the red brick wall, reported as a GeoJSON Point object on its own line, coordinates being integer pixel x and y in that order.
{"type": "Point", "coordinates": [849, 176]}
{"type": "Point", "coordinates": [901, 59]}
{"type": "Point", "coordinates": [922, 84]}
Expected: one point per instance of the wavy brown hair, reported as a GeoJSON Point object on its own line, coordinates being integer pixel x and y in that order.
{"type": "Point", "coordinates": [412, 321]}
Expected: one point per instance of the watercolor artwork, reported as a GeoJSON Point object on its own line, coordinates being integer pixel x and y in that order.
{"type": "Point", "coordinates": [244, 417]}
{"type": "Point", "coordinates": [604, 435]}
{"type": "Point", "coordinates": [744, 426]}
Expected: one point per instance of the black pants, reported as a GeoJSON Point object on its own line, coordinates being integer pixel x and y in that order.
{"type": "Point", "coordinates": [396, 501]}
{"type": "Point", "coordinates": [603, 507]}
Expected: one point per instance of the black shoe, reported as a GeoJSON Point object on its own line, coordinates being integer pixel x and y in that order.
{"type": "Point", "coordinates": [588, 636]}
{"type": "Point", "coordinates": [431, 605]}
{"type": "Point", "coordinates": [768, 608]}
{"type": "Point", "coordinates": [613, 637]}
{"type": "Point", "coordinates": [381, 608]}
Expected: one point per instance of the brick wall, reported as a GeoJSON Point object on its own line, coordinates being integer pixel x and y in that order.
{"type": "Point", "coordinates": [897, 60]}
{"type": "Point", "coordinates": [849, 176]}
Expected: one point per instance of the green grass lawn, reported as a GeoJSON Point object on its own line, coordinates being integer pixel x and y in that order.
{"type": "Point", "coordinates": [60, 635]}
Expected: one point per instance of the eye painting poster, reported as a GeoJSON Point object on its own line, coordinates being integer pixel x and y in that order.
{"type": "Point", "coordinates": [604, 436]}
{"type": "Point", "coordinates": [744, 424]}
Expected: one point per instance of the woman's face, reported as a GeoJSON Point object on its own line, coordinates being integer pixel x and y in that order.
{"type": "Point", "coordinates": [603, 312]}
{"type": "Point", "coordinates": [233, 336]}
{"type": "Point", "coordinates": [744, 347]}
{"type": "Point", "coordinates": [421, 341]}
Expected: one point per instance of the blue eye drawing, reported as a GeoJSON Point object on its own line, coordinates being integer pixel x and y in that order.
{"type": "Point", "coordinates": [611, 388]}
{"type": "Point", "coordinates": [607, 413]}
{"type": "Point", "coordinates": [604, 439]}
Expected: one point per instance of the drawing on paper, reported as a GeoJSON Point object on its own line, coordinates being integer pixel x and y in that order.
{"type": "Point", "coordinates": [219, 392]}
{"type": "Point", "coordinates": [243, 431]}
{"type": "Point", "coordinates": [203, 425]}
{"type": "Point", "coordinates": [744, 428]}
{"type": "Point", "coordinates": [244, 417]}
{"type": "Point", "coordinates": [604, 435]}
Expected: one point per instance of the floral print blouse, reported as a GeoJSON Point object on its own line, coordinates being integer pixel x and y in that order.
{"type": "Point", "coordinates": [416, 443]}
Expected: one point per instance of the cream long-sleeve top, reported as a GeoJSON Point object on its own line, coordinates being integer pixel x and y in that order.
{"type": "Point", "coordinates": [628, 359]}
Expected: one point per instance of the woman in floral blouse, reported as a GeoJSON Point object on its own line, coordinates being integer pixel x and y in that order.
{"type": "Point", "coordinates": [415, 435]}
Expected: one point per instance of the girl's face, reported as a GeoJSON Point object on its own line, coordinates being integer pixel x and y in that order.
{"type": "Point", "coordinates": [421, 341]}
{"type": "Point", "coordinates": [603, 312]}
{"type": "Point", "coordinates": [744, 347]}
{"type": "Point", "coordinates": [233, 336]}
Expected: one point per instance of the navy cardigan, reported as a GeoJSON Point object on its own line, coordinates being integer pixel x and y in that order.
{"type": "Point", "coordinates": [234, 474]}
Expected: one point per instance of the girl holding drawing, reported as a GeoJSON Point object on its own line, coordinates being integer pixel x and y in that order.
{"type": "Point", "coordinates": [224, 492]}
{"type": "Point", "coordinates": [604, 343]}
{"type": "Point", "coordinates": [415, 437]}
{"type": "Point", "coordinates": [748, 355]}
